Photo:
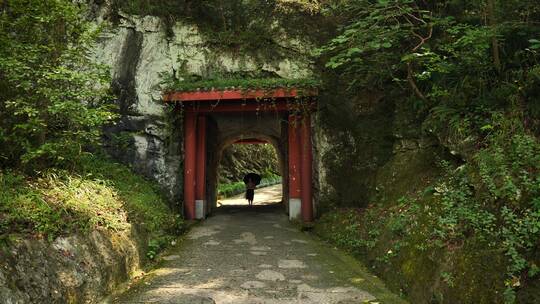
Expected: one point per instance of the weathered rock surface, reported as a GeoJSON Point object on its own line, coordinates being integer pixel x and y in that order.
{"type": "Point", "coordinates": [74, 269]}
{"type": "Point", "coordinates": [141, 52]}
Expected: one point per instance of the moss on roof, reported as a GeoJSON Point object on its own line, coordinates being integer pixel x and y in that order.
{"type": "Point", "coordinates": [243, 84]}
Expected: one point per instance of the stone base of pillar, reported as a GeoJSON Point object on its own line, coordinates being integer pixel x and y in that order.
{"type": "Point", "coordinates": [295, 208]}
{"type": "Point", "coordinates": [200, 209]}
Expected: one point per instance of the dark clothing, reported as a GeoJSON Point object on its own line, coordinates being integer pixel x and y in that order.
{"type": "Point", "coordinates": [250, 193]}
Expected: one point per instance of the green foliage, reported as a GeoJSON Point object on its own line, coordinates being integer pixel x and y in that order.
{"type": "Point", "coordinates": [345, 230]}
{"type": "Point", "coordinates": [492, 201]}
{"type": "Point", "coordinates": [156, 245]}
{"type": "Point", "coordinates": [243, 84]}
{"type": "Point", "coordinates": [51, 96]}
{"type": "Point", "coordinates": [495, 199]}
{"type": "Point", "coordinates": [443, 54]}
{"type": "Point", "coordinates": [239, 159]}
{"type": "Point", "coordinates": [378, 34]}
{"type": "Point", "coordinates": [142, 198]}
{"type": "Point", "coordinates": [99, 194]}
{"type": "Point", "coordinates": [469, 69]}
{"type": "Point", "coordinates": [232, 189]}
{"type": "Point", "coordinates": [270, 180]}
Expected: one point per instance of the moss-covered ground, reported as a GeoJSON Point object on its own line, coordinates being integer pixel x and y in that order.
{"type": "Point", "coordinates": [452, 273]}
{"type": "Point", "coordinates": [97, 194]}
{"type": "Point", "coordinates": [450, 234]}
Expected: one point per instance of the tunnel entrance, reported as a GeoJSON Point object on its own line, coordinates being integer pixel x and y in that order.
{"type": "Point", "coordinates": [246, 156]}
{"type": "Point", "coordinates": [214, 120]}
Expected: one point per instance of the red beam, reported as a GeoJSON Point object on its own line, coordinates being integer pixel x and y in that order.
{"type": "Point", "coordinates": [251, 141]}
{"type": "Point", "coordinates": [236, 94]}
{"type": "Point", "coordinates": [294, 157]}
{"type": "Point", "coordinates": [307, 173]}
{"type": "Point", "coordinates": [190, 149]}
{"type": "Point", "coordinates": [201, 158]}
{"type": "Point", "coordinates": [247, 107]}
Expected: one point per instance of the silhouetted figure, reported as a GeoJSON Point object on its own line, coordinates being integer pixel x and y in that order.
{"type": "Point", "coordinates": [250, 191]}
{"type": "Point", "coordinates": [251, 180]}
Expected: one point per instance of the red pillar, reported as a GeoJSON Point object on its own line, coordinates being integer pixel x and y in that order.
{"type": "Point", "coordinates": [200, 195]}
{"type": "Point", "coordinates": [307, 173]}
{"type": "Point", "coordinates": [294, 158]}
{"type": "Point", "coordinates": [190, 157]}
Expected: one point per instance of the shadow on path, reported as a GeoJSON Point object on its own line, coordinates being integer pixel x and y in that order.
{"type": "Point", "coordinates": [255, 255]}
{"type": "Point", "coordinates": [263, 196]}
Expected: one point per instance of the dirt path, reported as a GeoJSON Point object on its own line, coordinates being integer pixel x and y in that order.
{"type": "Point", "coordinates": [263, 196]}
{"type": "Point", "coordinates": [254, 255]}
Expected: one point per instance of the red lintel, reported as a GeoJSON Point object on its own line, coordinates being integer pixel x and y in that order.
{"type": "Point", "coordinates": [251, 141]}
{"type": "Point", "coordinates": [248, 107]}
{"type": "Point", "coordinates": [236, 94]}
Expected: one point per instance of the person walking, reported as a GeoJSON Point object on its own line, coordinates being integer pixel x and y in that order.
{"type": "Point", "coordinates": [250, 191]}
{"type": "Point", "coordinates": [251, 180]}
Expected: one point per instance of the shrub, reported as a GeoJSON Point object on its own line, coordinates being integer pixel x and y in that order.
{"type": "Point", "coordinates": [52, 98]}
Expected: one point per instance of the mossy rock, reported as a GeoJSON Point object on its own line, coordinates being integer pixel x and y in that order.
{"type": "Point", "coordinates": [413, 271]}
{"type": "Point", "coordinates": [361, 142]}
{"type": "Point", "coordinates": [479, 274]}
{"type": "Point", "coordinates": [406, 173]}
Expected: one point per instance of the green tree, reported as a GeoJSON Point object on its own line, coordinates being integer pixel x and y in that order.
{"type": "Point", "coordinates": [52, 98]}
{"type": "Point", "coordinates": [470, 71]}
{"type": "Point", "coordinates": [468, 58]}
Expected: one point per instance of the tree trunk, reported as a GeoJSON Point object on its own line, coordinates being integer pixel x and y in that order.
{"type": "Point", "coordinates": [492, 21]}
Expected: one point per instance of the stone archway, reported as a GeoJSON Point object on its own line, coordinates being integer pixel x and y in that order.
{"type": "Point", "coordinates": [215, 157]}
{"type": "Point", "coordinates": [263, 127]}
{"type": "Point", "coordinates": [215, 119]}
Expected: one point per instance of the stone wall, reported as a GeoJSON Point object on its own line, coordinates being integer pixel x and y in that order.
{"type": "Point", "coordinates": [356, 139]}
{"type": "Point", "coordinates": [73, 269]}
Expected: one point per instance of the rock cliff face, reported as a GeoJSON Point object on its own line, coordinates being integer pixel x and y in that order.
{"type": "Point", "coordinates": [372, 149]}
{"type": "Point", "coordinates": [143, 51]}
{"type": "Point", "coordinates": [368, 136]}
{"type": "Point", "coordinates": [74, 269]}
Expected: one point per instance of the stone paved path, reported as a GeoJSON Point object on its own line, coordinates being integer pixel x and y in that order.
{"type": "Point", "coordinates": [254, 255]}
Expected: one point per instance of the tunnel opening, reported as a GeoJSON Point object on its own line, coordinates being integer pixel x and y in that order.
{"type": "Point", "coordinates": [249, 156]}
{"type": "Point", "coordinates": [216, 119]}
{"type": "Point", "coordinates": [261, 137]}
